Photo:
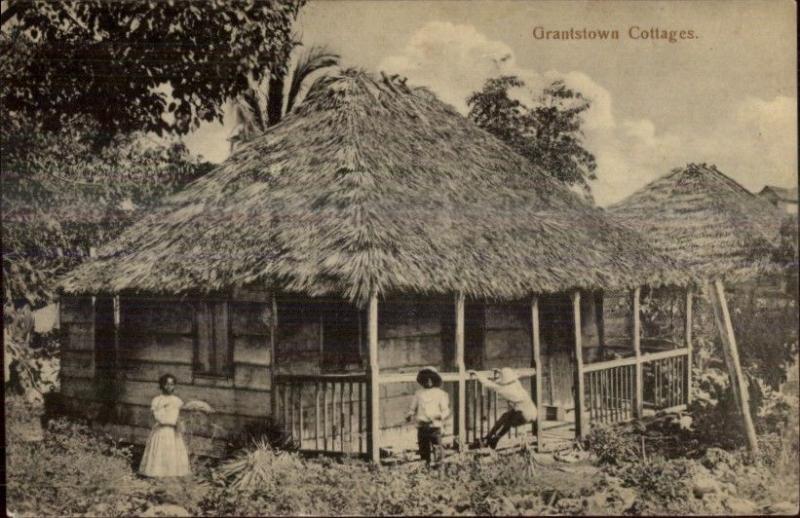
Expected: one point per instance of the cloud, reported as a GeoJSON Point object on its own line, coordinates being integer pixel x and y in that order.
{"type": "Point", "coordinates": [211, 139]}
{"type": "Point", "coordinates": [757, 141]}
{"type": "Point", "coordinates": [754, 143]}
{"type": "Point", "coordinates": [453, 60]}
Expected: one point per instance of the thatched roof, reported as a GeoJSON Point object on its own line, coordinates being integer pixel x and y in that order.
{"type": "Point", "coordinates": [369, 185]}
{"type": "Point", "coordinates": [705, 220]}
{"type": "Point", "coordinates": [780, 193]}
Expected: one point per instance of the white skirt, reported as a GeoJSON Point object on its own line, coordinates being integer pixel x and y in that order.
{"type": "Point", "coordinates": [165, 454]}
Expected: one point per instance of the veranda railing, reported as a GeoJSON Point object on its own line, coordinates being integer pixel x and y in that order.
{"type": "Point", "coordinates": [328, 413]}
{"type": "Point", "coordinates": [614, 394]}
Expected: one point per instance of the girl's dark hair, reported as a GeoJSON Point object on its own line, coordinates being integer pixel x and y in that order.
{"type": "Point", "coordinates": [162, 381]}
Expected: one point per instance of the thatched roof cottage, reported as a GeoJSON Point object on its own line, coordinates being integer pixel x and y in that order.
{"type": "Point", "coordinates": [781, 197]}
{"type": "Point", "coordinates": [706, 221]}
{"type": "Point", "coordinates": [373, 231]}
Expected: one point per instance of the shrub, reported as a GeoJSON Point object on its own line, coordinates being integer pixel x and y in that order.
{"type": "Point", "coordinates": [610, 446]}
{"type": "Point", "coordinates": [69, 473]}
{"type": "Point", "coordinates": [717, 421]}
{"type": "Point", "coordinates": [293, 485]}
{"type": "Point", "coordinates": [780, 447]}
{"type": "Point", "coordinates": [663, 484]}
{"type": "Point", "coordinates": [265, 430]}
{"type": "Point", "coordinates": [766, 331]}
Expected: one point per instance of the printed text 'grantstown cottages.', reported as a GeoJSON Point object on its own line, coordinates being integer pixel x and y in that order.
{"type": "Point", "coordinates": [634, 32]}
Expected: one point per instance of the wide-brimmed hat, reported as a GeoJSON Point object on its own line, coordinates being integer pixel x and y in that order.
{"type": "Point", "coordinates": [507, 375]}
{"type": "Point", "coordinates": [429, 372]}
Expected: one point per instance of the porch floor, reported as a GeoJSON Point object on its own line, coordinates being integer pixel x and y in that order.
{"type": "Point", "coordinates": [401, 444]}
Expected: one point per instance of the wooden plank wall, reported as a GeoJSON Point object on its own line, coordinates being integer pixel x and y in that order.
{"type": "Point", "coordinates": [507, 335]}
{"type": "Point", "coordinates": [412, 333]}
{"type": "Point", "coordinates": [298, 341]}
{"type": "Point", "coordinates": [77, 327]}
{"type": "Point", "coordinates": [157, 337]}
{"type": "Point", "coordinates": [557, 336]}
{"type": "Point", "coordinates": [508, 339]}
{"type": "Point", "coordinates": [590, 332]}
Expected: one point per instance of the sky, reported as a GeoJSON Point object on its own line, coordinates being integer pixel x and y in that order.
{"type": "Point", "coordinates": [726, 97]}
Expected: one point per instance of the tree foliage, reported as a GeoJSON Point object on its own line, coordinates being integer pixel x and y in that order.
{"type": "Point", "coordinates": [60, 197]}
{"type": "Point", "coordinates": [786, 254]}
{"type": "Point", "coordinates": [127, 64]}
{"type": "Point", "coordinates": [548, 132]}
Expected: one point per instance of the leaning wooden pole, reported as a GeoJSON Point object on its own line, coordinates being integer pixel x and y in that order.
{"type": "Point", "coordinates": [636, 335]}
{"type": "Point", "coordinates": [373, 386]}
{"type": "Point", "coordinates": [730, 351]}
{"type": "Point", "coordinates": [537, 364]}
{"type": "Point", "coordinates": [688, 340]}
{"type": "Point", "coordinates": [580, 430]}
{"type": "Point", "coordinates": [461, 417]}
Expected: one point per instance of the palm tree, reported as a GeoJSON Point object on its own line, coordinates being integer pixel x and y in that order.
{"type": "Point", "coordinates": [261, 107]}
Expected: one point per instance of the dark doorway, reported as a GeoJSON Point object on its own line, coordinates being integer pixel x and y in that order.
{"type": "Point", "coordinates": [556, 330]}
{"type": "Point", "coordinates": [341, 340]}
{"type": "Point", "coordinates": [474, 331]}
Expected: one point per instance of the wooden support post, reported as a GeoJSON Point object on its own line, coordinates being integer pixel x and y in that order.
{"type": "Point", "coordinates": [580, 429]}
{"type": "Point", "coordinates": [461, 416]}
{"type": "Point", "coordinates": [117, 321]}
{"type": "Point", "coordinates": [688, 340]}
{"type": "Point", "coordinates": [636, 338]}
{"type": "Point", "coordinates": [373, 386]}
{"type": "Point", "coordinates": [731, 352]}
{"type": "Point", "coordinates": [537, 364]}
{"type": "Point", "coordinates": [273, 332]}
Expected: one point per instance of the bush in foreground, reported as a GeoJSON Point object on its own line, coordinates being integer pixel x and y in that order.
{"type": "Point", "coordinates": [68, 473]}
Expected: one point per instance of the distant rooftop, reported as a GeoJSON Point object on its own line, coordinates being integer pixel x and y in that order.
{"type": "Point", "coordinates": [705, 220]}
{"type": "Point", "coordinates": [782, 193]}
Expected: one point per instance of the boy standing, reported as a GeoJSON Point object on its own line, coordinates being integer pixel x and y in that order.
{"type": "Point", "coordinates": [429, 408]}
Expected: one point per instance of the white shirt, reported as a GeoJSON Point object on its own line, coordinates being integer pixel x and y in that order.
{"type": "Point", "coordinates": [430, 406]}
{"type": "Point", "coordinates": [166, 409]}
{"type": "Point", "coordinates": [518, 398]}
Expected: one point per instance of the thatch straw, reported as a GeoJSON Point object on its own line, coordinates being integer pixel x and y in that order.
{"type": "Point", "coordinates": [369, 185]}
{"type": "Point", "coordinates": [712, 226]}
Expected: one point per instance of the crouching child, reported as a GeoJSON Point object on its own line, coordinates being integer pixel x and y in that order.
{"type": "Point", "coordinates": [521, 410]}
{"type": "Point", "coordinates": [429, 408]}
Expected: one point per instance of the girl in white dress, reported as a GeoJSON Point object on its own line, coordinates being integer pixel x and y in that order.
{"type": "Point", "coordinates": [165, 454]}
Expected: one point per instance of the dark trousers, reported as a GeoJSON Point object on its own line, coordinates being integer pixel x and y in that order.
{"type": "Point", "coordinates": [429, 439]}
{"type": "Point", "coordinates": [504, 423]}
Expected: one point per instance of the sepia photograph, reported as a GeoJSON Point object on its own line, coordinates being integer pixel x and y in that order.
{"type": "Point", "coordinates": [400, 257]}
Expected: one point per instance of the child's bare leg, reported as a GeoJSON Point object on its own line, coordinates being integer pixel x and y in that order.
{"type": "Point", "coordinates": [436, 445]}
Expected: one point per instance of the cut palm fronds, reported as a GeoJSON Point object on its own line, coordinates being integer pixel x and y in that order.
{"type": "Point", "coordinates": [256, 467]}
{"type": "Point", "coordinates": [198, 406]}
